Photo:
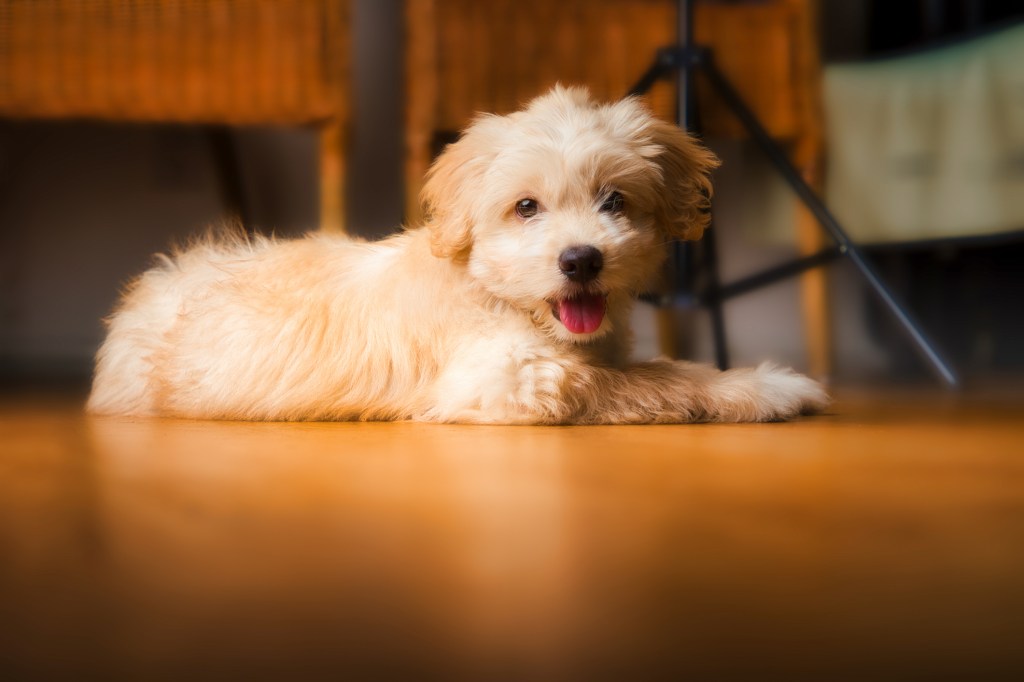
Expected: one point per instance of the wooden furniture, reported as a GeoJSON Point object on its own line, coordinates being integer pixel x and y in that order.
{"type": "Point", "coordinates": [465, 57]}
{"type": "Point", "coordinates": [223, 62]}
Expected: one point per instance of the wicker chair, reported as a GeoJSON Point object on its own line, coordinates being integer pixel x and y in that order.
{"type": "Point", "coordinates": [221, 62]}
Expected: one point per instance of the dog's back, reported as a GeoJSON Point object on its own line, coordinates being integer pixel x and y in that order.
{"type": "Point", "coordinates": [314, 328]}
{"type": "Point", "coordinates": [149, 309]}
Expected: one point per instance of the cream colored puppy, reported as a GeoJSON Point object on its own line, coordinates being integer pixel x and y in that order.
{"type": "Point", "coordinates": [509, 306]}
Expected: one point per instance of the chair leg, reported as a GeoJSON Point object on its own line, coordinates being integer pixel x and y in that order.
{"type": "Point", "coordinates": [814, 299]}
{"type": "Point", "coordinates": [332, 178]}
{"type": "Point", "coordinates": [668, 341]}
{"type": "Point", "coordinates": [229, 170]}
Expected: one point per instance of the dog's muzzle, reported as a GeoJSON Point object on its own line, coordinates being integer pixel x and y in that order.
{"type": "Point", "coordinates": [581, 312]}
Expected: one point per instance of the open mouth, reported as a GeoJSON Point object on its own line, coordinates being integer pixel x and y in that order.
{"type": "Point", "coordinates": [581, 313]}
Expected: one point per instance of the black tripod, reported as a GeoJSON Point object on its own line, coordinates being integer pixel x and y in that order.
{"type": "Point", "coordinates": [686, 59]}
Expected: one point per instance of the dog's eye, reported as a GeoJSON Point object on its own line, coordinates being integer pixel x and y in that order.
{"type": "Point", "coordinates": [613, 203]}
{"type": "Point", "coordinates": [527, 208]}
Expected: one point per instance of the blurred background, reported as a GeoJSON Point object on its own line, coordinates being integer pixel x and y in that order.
{"type": "Point", "coordinates": [127, 125]}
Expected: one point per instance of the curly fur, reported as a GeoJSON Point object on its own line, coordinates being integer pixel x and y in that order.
{"type": "Point", "coordinates": [456, 320]}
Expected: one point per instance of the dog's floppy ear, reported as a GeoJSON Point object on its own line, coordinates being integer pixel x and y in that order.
{"type": "Point", "coordinates": [686, 165]}
{"type": "Point", "coordinates": [453, 187]}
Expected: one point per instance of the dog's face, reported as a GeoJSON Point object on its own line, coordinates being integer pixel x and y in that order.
{"type": "Point", "coordinates": [563, 209]}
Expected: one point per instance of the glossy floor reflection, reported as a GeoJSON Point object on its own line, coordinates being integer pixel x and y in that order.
{"type": "Point", "coordinates": [880, 541]}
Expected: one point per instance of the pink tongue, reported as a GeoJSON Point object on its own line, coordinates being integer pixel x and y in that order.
{"type": "Point", "coordinates": [583, 314]}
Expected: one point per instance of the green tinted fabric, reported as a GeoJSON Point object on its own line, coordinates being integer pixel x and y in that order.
{"type": "Point", "coordinates": [930, 145]}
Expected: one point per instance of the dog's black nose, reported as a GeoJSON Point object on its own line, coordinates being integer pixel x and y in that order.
{"type": "Point", "coordinates": [581, 263]}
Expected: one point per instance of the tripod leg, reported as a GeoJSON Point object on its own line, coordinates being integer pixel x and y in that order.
{"type": "Point", "coordinates": [654, 73]}
{"type": "Point", "coordinates": [693, 267]}
{"type": "Point", "coordinates": [715, 304]}
{"type": "Point", "coordinates": [925, 346]}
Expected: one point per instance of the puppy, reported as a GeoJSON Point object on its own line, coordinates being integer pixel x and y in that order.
{"type": "Point", "coordinates": [510, 305]}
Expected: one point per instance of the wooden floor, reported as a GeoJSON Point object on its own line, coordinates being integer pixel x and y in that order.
{"type": "Point", "coordinates": [883, 541]}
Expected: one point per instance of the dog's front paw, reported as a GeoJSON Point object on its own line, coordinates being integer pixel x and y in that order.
{"type": "Point", "coordinates": [767, 393]}
{"type": "Point", "coordinates": [786, 394]}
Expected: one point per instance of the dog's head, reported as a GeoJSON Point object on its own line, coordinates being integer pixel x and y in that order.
{"type": "Point", "coordinates": [564, 209]}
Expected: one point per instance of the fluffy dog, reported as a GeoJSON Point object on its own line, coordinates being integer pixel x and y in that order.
{"type": "Point", "coordinates": [510, 305]}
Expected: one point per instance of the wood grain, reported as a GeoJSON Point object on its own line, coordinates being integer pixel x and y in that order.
{"type": "Point", "coordinates": [880, 541]}
{"type": "Point", "coordinates": [188, 61]}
